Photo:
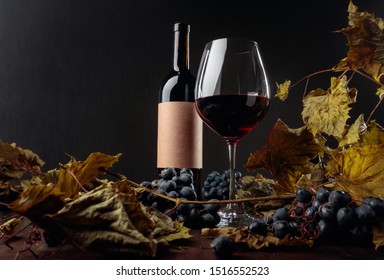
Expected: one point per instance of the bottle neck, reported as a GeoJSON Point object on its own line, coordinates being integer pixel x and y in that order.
{"type": "Point", "coordinates": [181, 50]}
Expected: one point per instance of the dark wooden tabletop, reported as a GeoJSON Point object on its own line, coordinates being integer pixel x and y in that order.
{"type": "Point", "coordinates": [30, 244]}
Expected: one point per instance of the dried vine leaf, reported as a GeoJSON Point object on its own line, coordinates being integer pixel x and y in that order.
{"type": "Point", "coordinates": [257, 186]}
{"type": "Point", "coordinates": [75, 174]}
{"type": "Point", "coordinates": [254, 241]}
{"type": "Point", "coordinates": [359, 170]}
{"type": "Point", "coordinates": [283, 90]}
{"type": "Point", "coordinates": [286, 155]}
{"type": "Point", "coordinates": [35, 201]}
{"type": "Point", "coordinates": [15, 161]}
{"type": "Point", "coordinates": [328, 112]}
{"type": "Point", "coordinates": [374, 134]}
{"type": "Point", "coordinates": [378, 235]}
{"type": "Point", "coordinates": [315, 176]}
{"type": "Point", "coordinates": [354, 131]}
{"type": "Point", "coordinates": [380, 92]}
{"type": "Point", "coordinates": [178, 232]}
{"type": "Point", "coordinates": [110, 221]}
{"type": "Point", "coordinates": [365, 35]}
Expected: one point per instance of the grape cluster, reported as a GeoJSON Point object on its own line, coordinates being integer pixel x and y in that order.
{"type": "Point", "coordinates": [180, 185]}
{"type": "Point", "coordinates": [328, 215]}
{"type": "Point", "coordinates": [216, 185]}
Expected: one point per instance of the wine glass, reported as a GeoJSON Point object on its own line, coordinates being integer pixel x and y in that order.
{"type": "Point", "coordinates": [232, 96]}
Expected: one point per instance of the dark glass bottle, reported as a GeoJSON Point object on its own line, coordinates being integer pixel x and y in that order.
{"type": "Point", "coordinates": [179, 141]}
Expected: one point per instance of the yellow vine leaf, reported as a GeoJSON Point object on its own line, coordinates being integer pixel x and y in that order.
{"type": "Point", "coordinates": [359, 170]}
{"type": "Point", "coordinates": [374, 134]}
{"type": "Point", "coordinates": [327, 112]}
{"type": "Point", "coordinates": [283, 90]}
{"type": "Point", "coordinates": [15, 161]}
{"type": "Point", "coordinates": [380, 92]}
{"type": "Point", "coordinates": [286, 155]}
{"type": "Point", "coordinates": [38, 200]}
{"type": "Point", "coordinates": [365, 35]}
{"type": "Point", "coordinates": [353, 133]}
{"type": "Point", "coordinates": [75, 174]}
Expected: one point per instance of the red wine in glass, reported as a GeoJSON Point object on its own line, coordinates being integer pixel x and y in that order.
{"type": "Point", "coordinates": [232, 116]}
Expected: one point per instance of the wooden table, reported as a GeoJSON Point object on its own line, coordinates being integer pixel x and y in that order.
{"type": "Point", "coordinates": [195, 248]}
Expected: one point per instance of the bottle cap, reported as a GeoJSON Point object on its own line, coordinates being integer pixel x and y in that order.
{"type": "Point", "coordinates": [182, 27]}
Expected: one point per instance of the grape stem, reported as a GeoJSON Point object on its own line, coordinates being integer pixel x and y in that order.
{"type": "Point", "coordinates": [179, 201]}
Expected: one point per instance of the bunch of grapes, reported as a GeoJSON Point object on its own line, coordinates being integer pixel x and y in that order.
{"type": "Point", "coordinates": [330, 215]}
{"type": "Point", "coordinates": [180, 185]}
{"type": "Point", "coordinates": [216, 185]}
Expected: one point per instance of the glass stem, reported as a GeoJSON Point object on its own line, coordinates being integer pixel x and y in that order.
{"type": "Point", "coordinates": [232, 165]}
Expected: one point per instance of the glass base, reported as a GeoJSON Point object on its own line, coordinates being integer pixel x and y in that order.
{"type": "Point", "coordinates": [233, 216]}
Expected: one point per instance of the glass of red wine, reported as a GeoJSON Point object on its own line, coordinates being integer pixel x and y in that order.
{"type": "Point", "coordinates": [232, 96]}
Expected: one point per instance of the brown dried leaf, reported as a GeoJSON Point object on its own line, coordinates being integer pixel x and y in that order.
{"type": "Point", "coordinates": [286, 155]}
{"type": "Point", "coordinates": [283, 90]}
{"type": "Point", "coordinates": [75, 174]}
{"type": "Point", "coordinates": [353, 132]}
{"type": "Point", "coordinates": [177, 231]}
{"type": "Point", "coordinates": [315, 177]}
{"type": "Point", "coordinates": [359, 170]}
{"type": "Point", "coordinates": [257, 185]}
{"type": "Point", "coordinates": [242, 235]}
{"type": "Point", "coordinates": [328, 112]}
{"type": "Point", "coordinates": [365, 37]}
{"type": "Point", "coordinates": [15, 161]}
{"type": "Point", "coordinates": [35, 201]}
{"type": "Point", "coordinates": [111, 221]}
{"type": "Point", "coordinates": [374, 134]}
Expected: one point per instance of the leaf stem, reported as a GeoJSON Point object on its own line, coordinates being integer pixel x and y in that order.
{"type": "Point", "coordinates": [374, 109]}
{"type": "Point", "coordinates": [311, 75]}
{"type": "Point", "coordinates": [368, 77]}
{"type": "Point", "coordinates": [377, 83]}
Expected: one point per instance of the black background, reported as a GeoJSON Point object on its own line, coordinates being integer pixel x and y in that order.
{"type": "Point", "coordinates": [81, 76]}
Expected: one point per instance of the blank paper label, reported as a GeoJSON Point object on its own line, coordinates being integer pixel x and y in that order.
{"type": "Point", "coordinates": [179, 139]}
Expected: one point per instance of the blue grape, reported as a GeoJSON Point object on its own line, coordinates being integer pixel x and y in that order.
{"type": "Point", "coordinates": [173, 194]}
{"type": "Point", "coordinates": [212, 207]}
{"type": "Point", "coordinates": [346, 217]}
{"type": "Point", "coordinates": [223, 246]}
{"type": "Point", "coordinates": [258, 227]}
{"type": "Point", "coordinates": [167, 173]}
{"type": "Point", "coordinates": [365, 214]}
{"type": "Point", "coordinates": [186, 179]}
{"type": "Point", "coordinates": [311, 212]}
{"type": "Point", "coordinates": [280, 228]}
{"type": "Point", "coordinates": [170, 185]}
{"type": "Point", "coordinates": [326, 228]}
{"type": "Point", "coordinates": [281, 214]}
{"type": "Point", "coordinates": [339, 198]}
{"type": "Point", "coordinates": [376, 203]}
{"type": "Point", "coordinates": [303, 195]}
{"type": "Point", "coordinates": [327, 212]}
{"type": "Point", "coordinates": [188, 193]}
{"type": "Point", "coordinates": [322, 195]}
{"type": "Point", "coordinates": [209, 220]}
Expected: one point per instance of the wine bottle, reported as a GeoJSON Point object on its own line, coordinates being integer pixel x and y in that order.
{"type": "Point", "coordinates": [180, 130]}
